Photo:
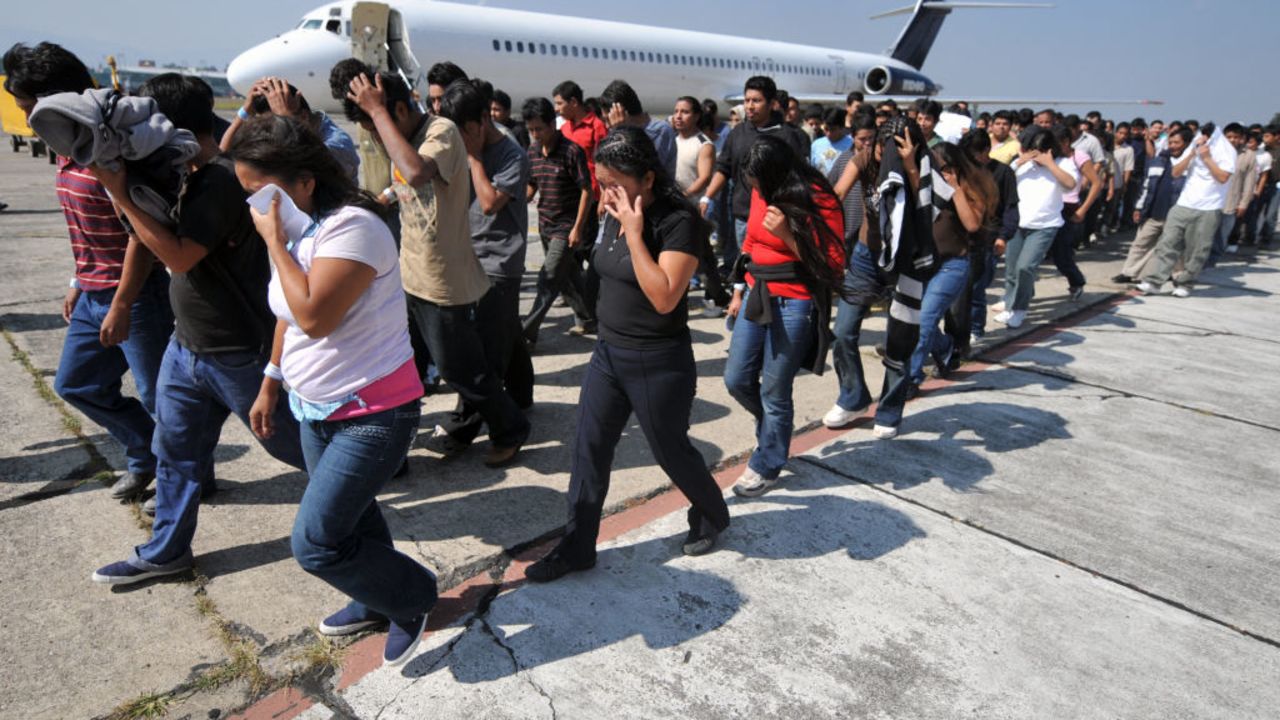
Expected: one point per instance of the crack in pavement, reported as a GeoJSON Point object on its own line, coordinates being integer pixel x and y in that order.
{"type": "Point", "coordinates": [521, 671]}
{"type": "Point", "coordinates": [1227, 333]}
{"type": "Point", "coordinates": [1061, 375]}
{"type": "Point", "coordinates": [818, 463]}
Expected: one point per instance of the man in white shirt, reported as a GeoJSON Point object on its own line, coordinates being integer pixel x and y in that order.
{"type": "Point", "coordinates": [1191, 224]}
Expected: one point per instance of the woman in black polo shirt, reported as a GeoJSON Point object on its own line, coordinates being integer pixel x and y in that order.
{"type": "Point", "coordinates": [643, 361]}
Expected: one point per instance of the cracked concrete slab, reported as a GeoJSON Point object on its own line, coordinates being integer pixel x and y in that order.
{"type": "Point", "coordinates": [828, 599]}
{"type": "Point", "coordinates": [1168, 362]}
{"type": "Point", "coordinates": [1210, 311]}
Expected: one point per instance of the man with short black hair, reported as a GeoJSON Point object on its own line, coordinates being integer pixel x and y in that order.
{"type": "Point", "coordinates": [219, 360]}
{"type": "Point", "coordinates": [837, 139]}
{"type": "Point", "coordinates": [927, 117]}
{"type": "Point", "coordinates": [499, 231]}
{"type": "Point", "coordinates": [500, 111]}
{"type": "Point", "coordinates": [1004, 144]}
{"type": "Point", "coordinates": [852, 102]}
{"type": "Point", "coordinates": [117, 308]}
{"type": "Point", "coordinates": [439, 77]}
{"type": "Point", "coordinates": [562, 182]}
{"type": "Point", "coordinates": [1267, 214]}
{"type": "Point", "coordinates": [624, 108]}
{"type": "Point", "coordinates": [438, 265]}
{"type": "Point", "coordinates": [583, 127]}
{"type": "Point", "coordinates": [758, 95]}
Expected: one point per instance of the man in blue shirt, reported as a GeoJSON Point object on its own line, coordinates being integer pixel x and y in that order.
{"type": "Point", "coordinates": [825, 150]}
{"type": "Point", "coordinates": [623, 108]}
{"type": "Point", "coordinates": [1158, 195]}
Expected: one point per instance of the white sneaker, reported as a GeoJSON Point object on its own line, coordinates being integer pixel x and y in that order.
{"type": "Point", "coordinates": [998, 307]}
{"type": "Point", "coordinates": [837, 417]}
{"type": "Point", "coordinates": [711, 310]}
{"type": "Point", "coordinates": [1147, 288]}
{"type": "Point", "coordinates": [884, 432]}
{"type": "Point", "coordinates": [752, 484]}
{"type": "Point", "coordinates": [1231, 250]}
{"type": "Point", "coordinates": [1003, 317]}
{"type": "Point", "coordinates": [1016, 318]}
{"type": "Point", "coordinates": [1180, 292]}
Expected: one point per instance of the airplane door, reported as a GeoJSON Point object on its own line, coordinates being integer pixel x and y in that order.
{"type": "Point", "coordinates": [842, 75]}
{"type": "Point", "coordinates": [402, 58]}
{"type": "Point", "coordinates": [369, 22]}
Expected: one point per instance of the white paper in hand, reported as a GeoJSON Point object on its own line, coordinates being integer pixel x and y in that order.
{"type": "Point", "coordinates": [294, 221]}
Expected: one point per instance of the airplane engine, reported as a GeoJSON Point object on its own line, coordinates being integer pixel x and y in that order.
{"type": "Point", "coordinates": [883, 80]}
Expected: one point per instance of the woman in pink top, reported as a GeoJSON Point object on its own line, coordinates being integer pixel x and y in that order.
{"type": "Point", "coordinates": [342, 344]}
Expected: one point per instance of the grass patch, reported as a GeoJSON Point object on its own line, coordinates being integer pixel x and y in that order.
{"type": "Point", "coordinates": [146, 705]}
{"type": "Point", "coordinates": [245, 660]}
{"type": "Point", "coordinates": [320, 655]}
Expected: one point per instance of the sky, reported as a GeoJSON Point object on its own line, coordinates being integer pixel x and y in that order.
{"type": "Point", "coordinates": [1206, 59]}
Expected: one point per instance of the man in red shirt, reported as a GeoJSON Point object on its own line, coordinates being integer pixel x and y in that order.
{"type": "Point", "coordinates": [117, 307]}
{"type": "Point", "coordinates": [586, 130]}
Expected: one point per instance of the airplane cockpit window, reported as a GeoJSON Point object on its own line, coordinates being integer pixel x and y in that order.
{"type": "Point", "coordinates": [312, 24]}
{"type": "Point", "coordinates": [334, 26]}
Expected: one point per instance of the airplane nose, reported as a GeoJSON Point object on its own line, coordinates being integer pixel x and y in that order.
{"type": "Point", "coordinates": [300, 57]}
{"type": "Point", "coordinates": [251, 65]}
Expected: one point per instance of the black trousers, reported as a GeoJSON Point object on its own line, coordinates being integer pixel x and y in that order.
{"type": "Point", "coordinates": [958, 322]}
{"type": "Point", "coordinates": [498, 322]}
{"type": "Point", "coordinates": [451, 334]}
{"type": "Point", "coordinates": [657, 384]}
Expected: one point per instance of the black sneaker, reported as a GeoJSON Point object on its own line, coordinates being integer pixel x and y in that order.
{"type": "Point", "coordinates": [1075, 293]}
{"type": "Point", "coordinates": [131, 485]}
{"type": "Point", "coordinates": [445, 444]}
{"type": "Point", "coordinates": [1123, 279]}
{"type": "Point", "coordinates": [554, 567]}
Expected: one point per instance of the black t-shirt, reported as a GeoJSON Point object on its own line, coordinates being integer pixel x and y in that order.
{"type": "Point", "coordinates": [221, 304]}
{"type": "Point", "coordinates": [627, 318]}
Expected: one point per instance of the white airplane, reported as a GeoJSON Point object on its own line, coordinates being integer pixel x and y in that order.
{"type": "Point", "coordinates": [527, 54]}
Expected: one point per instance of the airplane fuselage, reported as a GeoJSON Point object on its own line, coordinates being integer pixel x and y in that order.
{"type": "Point", "coordinates": [527, 54]}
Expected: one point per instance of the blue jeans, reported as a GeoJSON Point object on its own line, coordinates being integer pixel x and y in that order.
{"type": "Point", "coordinates": [1022, 259]}
{"type": "Point", "coordinates": [194, 395]}
{"type": "Point", "coordinates": [763, 362]}
{"type": "Point", "coordinates": [863, 285]}
{"type": "Point", "coordinates": [732, 246]}
{"type": "Point", "coordinates": [944, 287]}
{"type": "Point", "coordinates": [339, 534]}
{"type": "Point", "coordinates": [89, 373]}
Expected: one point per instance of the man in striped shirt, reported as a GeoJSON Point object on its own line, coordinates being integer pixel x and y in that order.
{"type": "Point", "coordinates": [560, 177]}
{"type": "Point", "coordinates": [117, 308]}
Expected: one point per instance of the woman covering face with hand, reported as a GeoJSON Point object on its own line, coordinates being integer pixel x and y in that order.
{"type": "Point", "coordinates": [643, 360]}
{"type": "Point", "coordinates": [342, 345]}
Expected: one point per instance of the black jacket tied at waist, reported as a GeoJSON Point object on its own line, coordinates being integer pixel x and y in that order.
{"type": "Point", "coordinates": [759, 310]}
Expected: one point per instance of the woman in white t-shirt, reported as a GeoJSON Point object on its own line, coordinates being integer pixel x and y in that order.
{"type": "Point", "coordinates": [695, 153]}
{"type": "Point", "coordinates": [1043, 176]}
{"type": "Point", "coordinates": [342, 345]}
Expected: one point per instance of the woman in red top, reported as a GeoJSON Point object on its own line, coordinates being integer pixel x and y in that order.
{"type": "Point", "coordinates": [793, 254]}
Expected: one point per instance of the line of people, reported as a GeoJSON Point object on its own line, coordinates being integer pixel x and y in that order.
{"type": "Point", "coordinates": [316, 285]}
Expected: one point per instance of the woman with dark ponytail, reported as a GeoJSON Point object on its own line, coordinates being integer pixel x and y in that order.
{"type": "Point", "coordinates": [643, 361]}
{"type": "Point", "coordinates": [342, 344]}
{"type": "Point", "coordinates": [792, 260]}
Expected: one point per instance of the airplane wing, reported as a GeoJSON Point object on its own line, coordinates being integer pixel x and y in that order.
{"type": "Point", "coordinates": [837, 99]}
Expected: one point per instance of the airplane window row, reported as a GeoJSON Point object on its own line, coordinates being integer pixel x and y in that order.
{"type": "Point", "coordinates": [599, 53]}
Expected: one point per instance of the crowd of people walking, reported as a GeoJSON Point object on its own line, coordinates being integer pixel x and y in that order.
{"type": "Point", "coordinates": [267, 268]}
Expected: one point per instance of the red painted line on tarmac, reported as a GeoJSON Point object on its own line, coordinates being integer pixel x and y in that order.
{"type": "Point", "coordinates": [365, 656]}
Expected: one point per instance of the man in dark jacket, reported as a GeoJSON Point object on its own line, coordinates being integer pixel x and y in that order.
{"type": "Point", "coordinates": [757, 99]}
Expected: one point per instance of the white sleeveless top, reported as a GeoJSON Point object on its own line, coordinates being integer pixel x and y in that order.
{"type": "Point", "coordinates": [687, 160]}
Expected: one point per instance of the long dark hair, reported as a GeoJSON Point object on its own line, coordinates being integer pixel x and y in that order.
{"type": "Point", "coordinates": [790, 184]}
{"type": "Point", "coordinates": [289, 149]}
{"type": "Point", "coordinates": [627, 149]}
{"type": "Point", "coordinates": [975, 181]}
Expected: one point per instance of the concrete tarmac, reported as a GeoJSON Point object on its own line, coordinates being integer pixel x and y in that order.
{"type": "Point", "coordinates": [1129, 454]}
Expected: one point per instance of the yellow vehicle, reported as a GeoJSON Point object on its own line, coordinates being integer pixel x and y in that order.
{"type": "Point", "coordinates": [14, 122]}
